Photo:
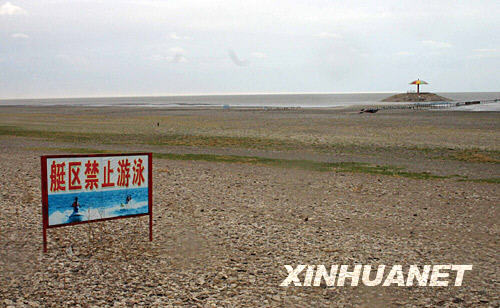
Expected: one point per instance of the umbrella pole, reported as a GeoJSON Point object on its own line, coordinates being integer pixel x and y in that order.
{"type": "Point", "coordinates": [418, 89]}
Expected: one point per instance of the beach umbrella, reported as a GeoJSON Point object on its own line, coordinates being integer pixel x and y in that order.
{"type": "Point", "coordinates": [418, 82]}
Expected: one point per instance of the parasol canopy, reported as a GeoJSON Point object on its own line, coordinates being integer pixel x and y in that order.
{"type": "Point", "coordinates": [418, 82]}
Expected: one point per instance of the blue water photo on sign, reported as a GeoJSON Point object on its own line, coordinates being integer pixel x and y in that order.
{"type": "Point", "coordinates": [77, 207]}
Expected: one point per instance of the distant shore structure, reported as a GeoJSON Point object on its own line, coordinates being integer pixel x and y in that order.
{"type": "Point", "coordinates": [417, 97]}
{"type": "Point", "coordinates": [418, 82]}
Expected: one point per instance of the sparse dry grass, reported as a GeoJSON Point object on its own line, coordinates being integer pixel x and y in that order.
{"type": "Point", "coordinates": [254, 129]}
{"type": "Point", "coordinates": [477, 157]}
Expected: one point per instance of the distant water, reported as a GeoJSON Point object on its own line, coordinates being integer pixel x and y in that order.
{"type": "Point", "coordinates": [258, 100]}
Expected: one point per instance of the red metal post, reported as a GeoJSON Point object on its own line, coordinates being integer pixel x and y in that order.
{"type": "Point", "coordinates": [44, 201]}
{"type": "Point", "coordinates": [150, 193]}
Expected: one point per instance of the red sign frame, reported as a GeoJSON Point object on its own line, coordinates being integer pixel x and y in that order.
{"type": "Point", "coordinates": [45, 204]}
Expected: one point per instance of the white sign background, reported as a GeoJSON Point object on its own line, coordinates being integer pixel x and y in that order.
{"type": "Point", "coordinates": [103, 162]}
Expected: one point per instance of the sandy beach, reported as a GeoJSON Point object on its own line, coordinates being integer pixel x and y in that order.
{"type": "Point", "coordinates": [239, 193]}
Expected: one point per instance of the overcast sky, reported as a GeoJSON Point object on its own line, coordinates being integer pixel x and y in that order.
{"type": "Point", "coordinates": [56, 48]}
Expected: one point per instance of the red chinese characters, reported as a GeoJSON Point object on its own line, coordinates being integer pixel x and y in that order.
{"type": "Point", "coordinates": [57, 180]}
{"type": "Point", "coordinates": [74, 175]}
{"type": "Point", "coordinates": [138, 169]}
{"type": "Point", "coordinates": [91, 172]}
{"type": "Point", "coordinates": [124, 173]}
{"type": "Point", "coordinates": [107, 176]}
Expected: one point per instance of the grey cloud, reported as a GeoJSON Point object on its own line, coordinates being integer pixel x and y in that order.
{"type": "Point", "coordinates": [234, 58]}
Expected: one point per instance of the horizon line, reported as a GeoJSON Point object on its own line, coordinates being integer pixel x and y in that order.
{"type": "Point", "coordinates": [224, 94]}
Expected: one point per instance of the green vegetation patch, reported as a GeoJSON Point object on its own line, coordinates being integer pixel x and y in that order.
{"type": "Point", "coordinates": [469, 155]}
{"type": "Point", "coordinates": [353, 167]}
{"type": "Point", "coordinates": [477, 156]}
{"type": "Point", "coordinates": [154, 139]}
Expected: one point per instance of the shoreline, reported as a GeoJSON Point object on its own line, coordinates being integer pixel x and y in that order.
{"type": "Point", "coordinates": [253, 102]}
{"type": "Point", "coordinates": [224, 94]}
{"type": "Point", "coordinates": [384, 106]}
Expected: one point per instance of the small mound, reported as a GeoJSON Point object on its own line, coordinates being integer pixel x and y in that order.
{"type": "Point", "coordinates": [414, 97]}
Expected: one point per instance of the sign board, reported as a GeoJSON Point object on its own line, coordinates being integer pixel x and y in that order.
{"type": "Point", "coordinates": [87, 188]}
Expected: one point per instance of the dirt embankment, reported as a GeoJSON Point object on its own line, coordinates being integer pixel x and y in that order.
{"type": "Point", "coordinates": [416, 97]}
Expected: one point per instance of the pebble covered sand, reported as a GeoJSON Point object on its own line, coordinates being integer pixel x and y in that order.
{"type": "Point", "coordinates": [223, 233]}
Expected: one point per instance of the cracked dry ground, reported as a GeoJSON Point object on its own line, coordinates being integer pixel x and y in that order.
{"type": "Point", "coordinates": [223, 233]}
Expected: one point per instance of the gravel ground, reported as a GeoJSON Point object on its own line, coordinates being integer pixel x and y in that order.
{"type": "Point", "coordinates": [223, 233]}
